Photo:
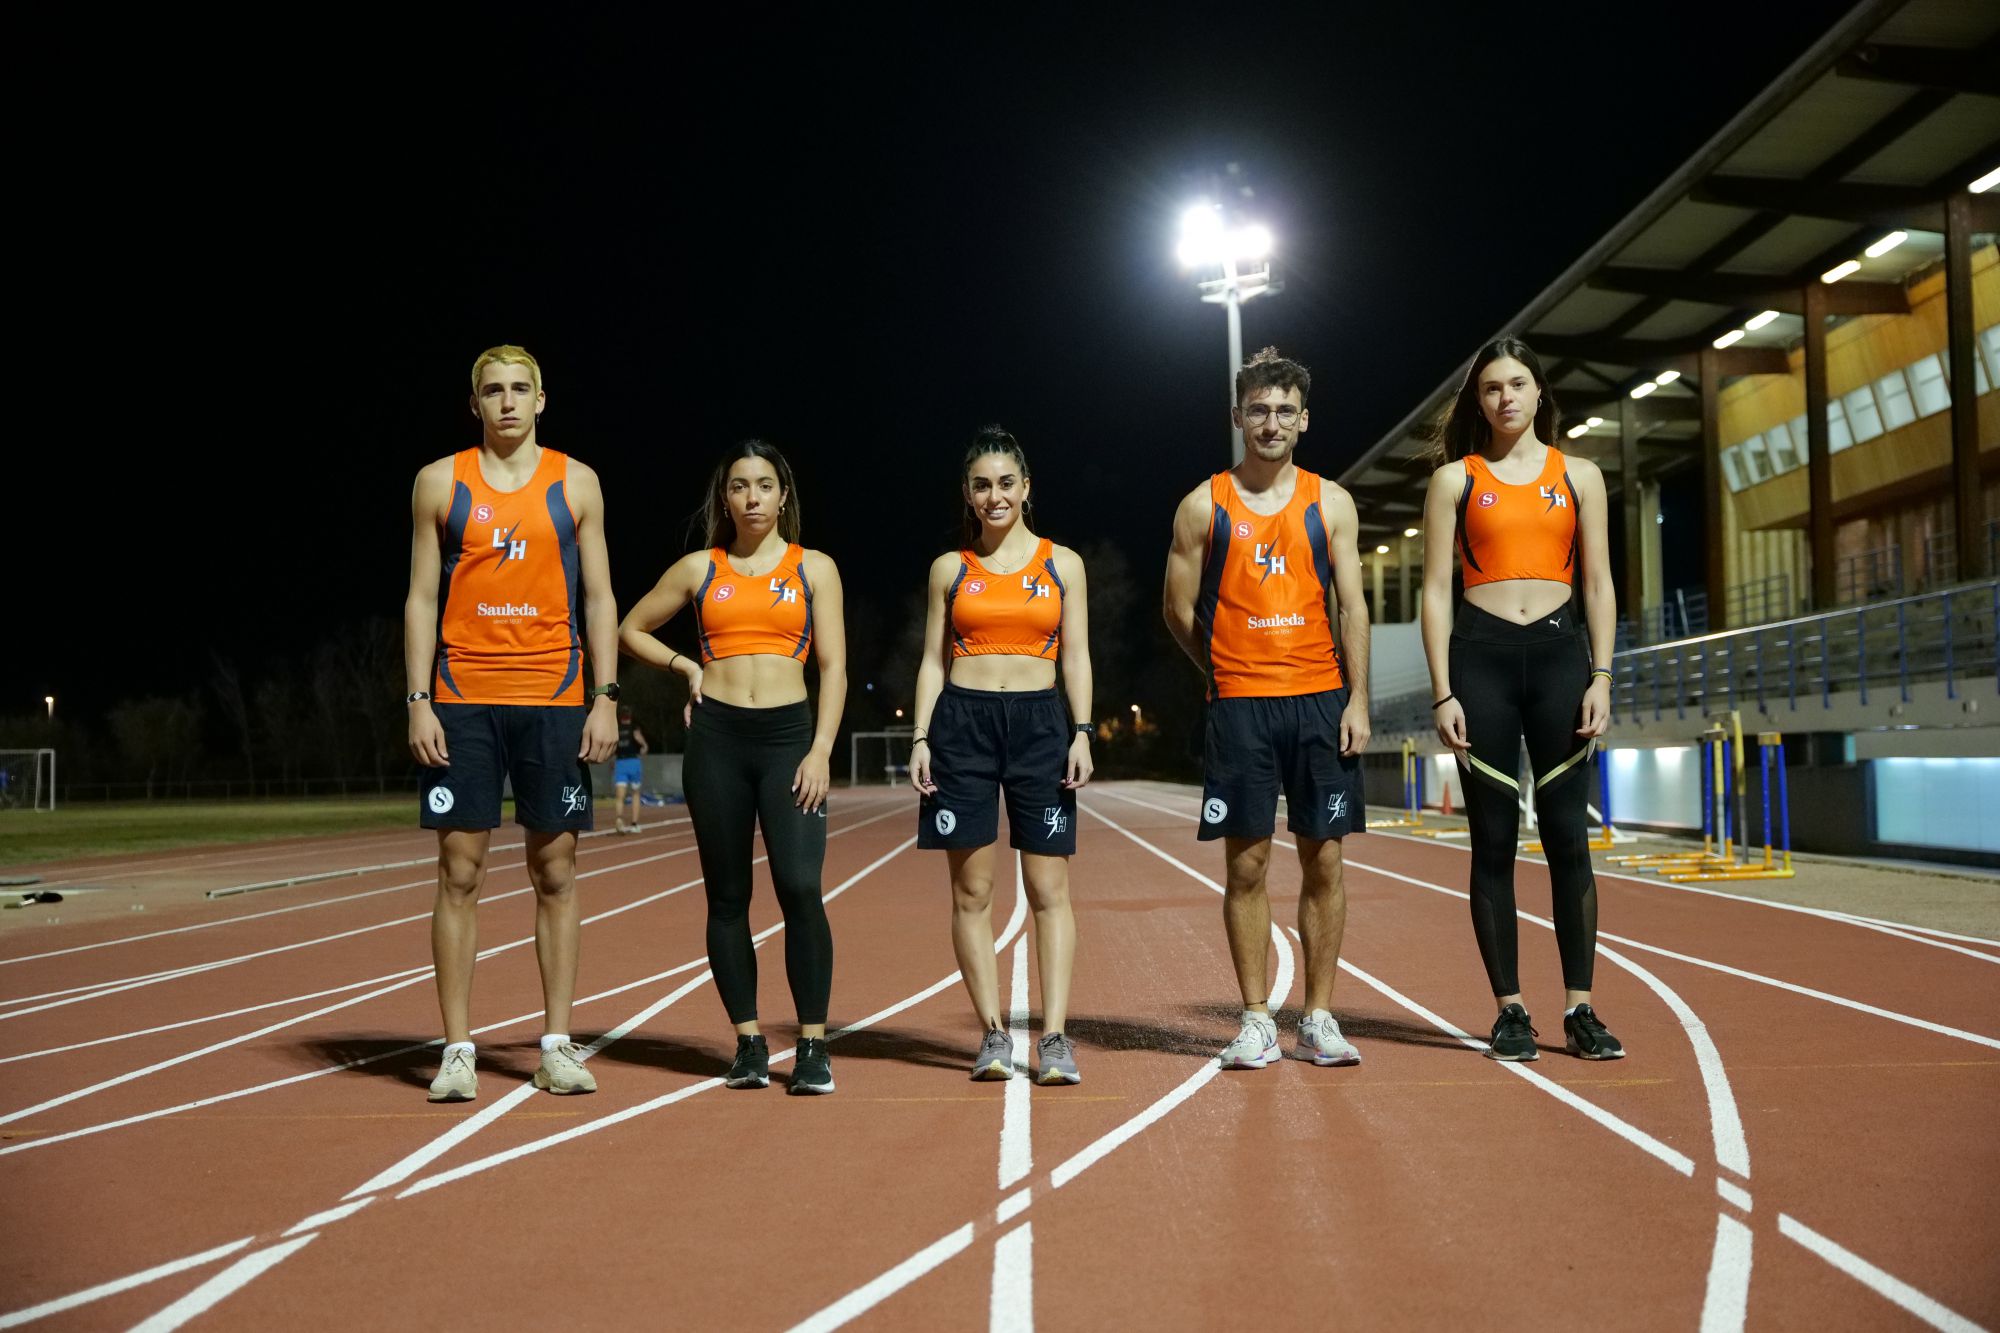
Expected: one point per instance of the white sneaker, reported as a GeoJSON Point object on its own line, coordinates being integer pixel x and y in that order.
{"type": "Point", "coordinates": [1320, 1041]}
{"type": "Point", "coordinates": [455, 1081]}
{"type": "Point", "coordinates": [1255, 1046]}
{"type": "Point", "coordinates": [562, 1071]}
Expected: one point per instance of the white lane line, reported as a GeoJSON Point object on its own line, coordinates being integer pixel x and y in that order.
{"type": "Point", "coordinates": [1013, 1206]}
{"type": "Point", "coordinates": [328, 1217]}
{"type": "Point", "coordinates": [199, 1103]}
{"type": "Point", "coordinates": [1011, 1307]}
{"type": "Point", "coordinates": [231, 1279]}
{"type": "Point", "coordinates": [1016, 1143]}
{"type": "Point", "coordinates": [1727, 1302]}
{"type": "Point", "coordinates": [254, 916]}
{"type": "Point", "coordinates": [866, 1297]}
{"type": "Point", "coordinates": [1886, 1285]}
{"type": "Point", "coordinates": [1735, 1194]}
{"type": "Point", "coordinates": [16, 1318]}
{"type": "Point", "coordinates": [1725, 1122]}
{"type": "Point", "coordinates": [1808, 991]}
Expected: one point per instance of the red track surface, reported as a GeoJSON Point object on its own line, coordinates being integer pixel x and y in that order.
{"type": "Point", "coordinates": [1428, 1185]}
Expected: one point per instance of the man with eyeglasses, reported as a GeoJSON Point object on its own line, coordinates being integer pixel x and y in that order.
{"type": "Point", "coordinates": [1263, 567]}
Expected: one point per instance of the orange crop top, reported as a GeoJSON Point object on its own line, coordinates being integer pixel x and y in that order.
{"type": "Point", "coordinates": [1018, 613]}
{"type": "Point", "coordinates": [1507, 531]}
{"type": "Point", "coordinates": [740, 614]}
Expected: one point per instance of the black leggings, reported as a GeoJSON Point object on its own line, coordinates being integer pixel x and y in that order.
{"type": "Point", "coordinates": [1526, 682]}
{"type": "Point", "coordinates": [738, 773]}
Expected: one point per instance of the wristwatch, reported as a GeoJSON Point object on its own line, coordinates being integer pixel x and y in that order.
{"type": "Point", "coordinates": [417, 697]}
{"type": "Point", "coordinates": [1087, 729]}
{"type": "Point", "coordinates": [609, 691]}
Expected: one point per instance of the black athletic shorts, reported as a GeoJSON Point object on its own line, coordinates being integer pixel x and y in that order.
{"type": "Point", "coordinates": [532, 744]}
{"type": "Point", "coordinates": [983, 741]}
{"type": "Point", "coordinates": [1255, 747]}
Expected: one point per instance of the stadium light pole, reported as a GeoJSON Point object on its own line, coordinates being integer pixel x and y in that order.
{"type": "Point", "coordinates": [1243, 254]}
{"type": "Point", "coordinates": [50, 700]}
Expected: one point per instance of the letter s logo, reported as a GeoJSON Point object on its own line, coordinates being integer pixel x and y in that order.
{"type": "Point", "coordinates": [1214, 810]}
{"type": "Point", "coordinates": [946, 822]}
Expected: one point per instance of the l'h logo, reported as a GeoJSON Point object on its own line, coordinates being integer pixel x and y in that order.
{"type": "Point", "coordinates": [1268, 557]}
{"type": "Point", "coordinates": [1556, 500]}
{"type": "Point", "coordinates": [504, 541]}
{"type": "Point", "coordinates": [784, 592]}
{"type": "Point", "coordinates": [1035, 586]}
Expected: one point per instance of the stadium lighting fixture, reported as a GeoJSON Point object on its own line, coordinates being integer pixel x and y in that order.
{"type": "Point", "coordinates": [1644, 389]}
{"type": "Point", "coordinates": [1243, 254]}
{"type": "Point", "coordinates": [1845, 268]}
{"type": "Point", "coordinates": [1729, 339]}
{"type": "Point", "coordinates": [1986, 182]}
{"type": "Point", "coordinates": [1886, 244]}
{"type": "Point", "coordinates": [50, 700]}
{"type": "Point", "coordinates": [1756, 322]}
{"type": "Point", "coordinates": [1593, 422]}
{"type": "Point", "coordinates": [1666, 377]}
{"type": "Point", "coordinates": [1578, 429]}
{"type": "Point", "coordinates": [1409, 532]}
{"type": "Point", "coordinates": [1382, 549]}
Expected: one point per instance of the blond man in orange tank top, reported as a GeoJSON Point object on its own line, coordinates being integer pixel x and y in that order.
{"type": "Point", "coordinates": [1263, 593]}
{"type": "Point", "coordinates": [508, 583]}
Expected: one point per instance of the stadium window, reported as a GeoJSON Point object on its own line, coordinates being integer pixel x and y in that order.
{"type": "Point", "coordinates": [1928, 386]}
{"type": "Point", "coordinates": [1778, 446]}
{"type": "Point", "coordinates": [1754, 462]}
{"type": "Point", "coordinates": [1730, 472]}
{"type": "Point", "coordinates": [1892, 391]}
{"type": "Point", "coordinates": [1979, 384]}
{"type": "Point", "coordinates": [1864, 420]}
{"type": "Point", "coordinates": [1989, 342]}
{"type": "Point", "coordinates": [1837, 437]}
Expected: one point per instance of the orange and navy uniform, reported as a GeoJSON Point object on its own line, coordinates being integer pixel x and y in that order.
{"type": "Point", "coordinates": [1264, 587]}
{"type": "Point", "coordinates": [739, 614]}
{"type": "Point", "coordinates": [509, 622]}
{"type": "Point", "coordinates": [1019, 614]}
{"type": "Point", "coordinates": [1525, 531]}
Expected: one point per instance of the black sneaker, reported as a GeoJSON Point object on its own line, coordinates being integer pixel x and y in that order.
{"type": "Point", "coordinates": [813, 1073]}
{"type": "Point", "coordinates": [1585, 1036]}
{"type": "Point", "coordinates": [752, 1066]}
{"type": "Point", "coordinates": [1513, 1036]}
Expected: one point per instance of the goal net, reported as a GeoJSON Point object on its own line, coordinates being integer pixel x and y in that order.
{"type": "Point", "coordinates": [27, 779]}
{"type": "Point", "coordinates": [879, 756]}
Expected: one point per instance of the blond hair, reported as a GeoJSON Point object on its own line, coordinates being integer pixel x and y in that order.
{"type": "Point", "coordinates": [507, 354]}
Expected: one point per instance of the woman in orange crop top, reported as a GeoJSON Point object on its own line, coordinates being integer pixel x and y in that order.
{"type": "Point", "coordinates": [756, 754]}
{"type": "Point", "coordinates": [1003, 611]}
{"type": "Point", "coordinates": [1518, 660]}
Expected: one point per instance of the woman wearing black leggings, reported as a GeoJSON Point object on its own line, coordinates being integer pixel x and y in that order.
{"type": "Point", "coordinates": [1516, 659]}
{"type": "Point", "coordinates": [756, 753]}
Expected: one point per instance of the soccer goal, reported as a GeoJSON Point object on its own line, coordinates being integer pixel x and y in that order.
{"type": "Point", "coordinates": [27, 779]}
{"type": "Point", "coordinates": [882, 756]}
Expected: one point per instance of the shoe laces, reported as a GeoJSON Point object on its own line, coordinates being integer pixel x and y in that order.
{"type": "Point", "coordinates": [1586, 1018]}
{"type": "Point", "coordinates": [812, 1048]}
{"type": "Point", "coordinates": [454, 1059]}
{"type": "Point", "coordinates": [996, 1042]}
{"type": "Point", "coordinates": [1512, 1020]}
{"type": "Point", "coordinates": [1055, 1046]}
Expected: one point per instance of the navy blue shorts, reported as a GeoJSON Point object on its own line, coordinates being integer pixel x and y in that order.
{"type": "Point", "coordinates": [1257, 747]}
{"type": "Point", "coordinates": [533, 745]}
{"type": "Point", "coordinates": [984, 741]}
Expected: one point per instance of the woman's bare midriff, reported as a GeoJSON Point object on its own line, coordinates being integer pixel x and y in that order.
{"type": "Point", "coordinates": [1519, 600]}
{"type": "Point", "coordinates": [1009, 672]}
{"type": "Point", "coordinates": [754, 680]}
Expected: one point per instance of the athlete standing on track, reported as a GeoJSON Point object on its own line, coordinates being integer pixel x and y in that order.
{"type": "Point", "coordinates": [1513, 661]}
{"type": "Point", "coordinates": [506, 537]}
{"type": "Point", "coordinates": [754, 754]}
{"type": "Point", "coordinates": [628, 774]}
{"type": "Point", "coordinates": [1003, 610]}
{"type": "Point", "coordinates": [1263, 566]}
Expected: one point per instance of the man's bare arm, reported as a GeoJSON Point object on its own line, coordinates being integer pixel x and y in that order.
{"type": "Point", "coordinates": [1183, 582]}
{"type": "Point", "coordinates": [420, 609]}
{"type": "Point", "coordinates": [600, 609]}
{"type": "Point", "coordinates": [1350, 611]}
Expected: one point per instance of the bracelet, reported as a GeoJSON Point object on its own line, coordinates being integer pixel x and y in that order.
{"type": "Point", "coordinates": [671, 660]}
{"type": "Point", "coordinates": [1602, 671]}
{"type": "Point", "coordinates": [925, 737]}
{"type": "Point", "coordinates": [921, 740]}
{"type": "Point", "coordinates": [1442, 702]}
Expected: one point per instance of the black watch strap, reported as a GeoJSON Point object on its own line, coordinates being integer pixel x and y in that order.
{"type": "Point", "coordinates": [609, 690]}
{"type": "Point", "coordinates": [1087, 729]}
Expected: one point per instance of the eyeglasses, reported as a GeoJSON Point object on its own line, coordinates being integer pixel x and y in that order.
{"type": "Point", "coordinates": [1288, 416]}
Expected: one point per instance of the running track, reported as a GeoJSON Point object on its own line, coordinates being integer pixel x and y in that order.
{"type": "Point", "coordinates": [219, 1118]}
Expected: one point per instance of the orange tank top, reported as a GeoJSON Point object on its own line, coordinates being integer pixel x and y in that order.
{"type": "Point", "coordinates": [509, 616]}
{"type": "Point", "coordinates": [1262, 608]}
{"type": "Point", "coordinates": [741, 614]}
{"type": "Point", "coordinates": [1018, 614]}
{"type": "Point", "coordinates": [1525, 531]}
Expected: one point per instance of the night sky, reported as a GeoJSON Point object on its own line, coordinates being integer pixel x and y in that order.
{"type": "Point", "coordinates": [256, 282]}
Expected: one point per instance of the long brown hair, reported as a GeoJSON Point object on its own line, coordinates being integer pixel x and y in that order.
{"type": "Point", "coordinates": [719, 528]}
{"type": "Point", "coordinates": [1463, 428]}
{"type": "Point", "coordinates": [989, 440]}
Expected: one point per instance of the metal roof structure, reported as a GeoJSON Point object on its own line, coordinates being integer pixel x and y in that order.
{"type": "Point", "coordinates": [1890, 113]}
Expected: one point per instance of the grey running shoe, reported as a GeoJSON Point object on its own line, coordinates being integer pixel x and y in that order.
{"type": "Point", "coordinates": [1320, 1041]}
{"type": "Point", "coordinates": [1255, 1046]}
{"type": "Point", "coordinates": [995, 1061]}
{"type": "Point", "coordinates": [1513, 1036]}
{"type": "Point", "coordinates": [1058, 1061]}
{"type": "Point", "coordinates": [562, 1071]}
{"type": "Point", "coordinates": [1585, 1035]}
{"type": "Point", "coordinates": [455, 1081]}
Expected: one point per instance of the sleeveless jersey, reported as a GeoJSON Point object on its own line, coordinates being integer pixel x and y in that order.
{"type": "Point", "coordinates": [740, 614]}
{"type": "Point", "coordinates": [1262, 609]}
{"type": "Point", "coordinates": [628, 743]}
{"type": "Point", "coordinates": [1525, 531]}
{"type": "Point", "coordinates": [509, 616]}
{"type": "Point", "coordinates": [1018, 614]}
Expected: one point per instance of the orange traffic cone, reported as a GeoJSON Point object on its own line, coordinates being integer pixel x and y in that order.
{"type": "Point", "coordinates": [1446, 810]}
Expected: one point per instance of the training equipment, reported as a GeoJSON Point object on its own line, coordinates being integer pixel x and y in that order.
{"type": "Point", "coordinates": [1413, 792]}
{"type": "Point", "coordinates": [28, 779]}
{"type": "Point", "coordinates": [1606, 836]}
{"type": "Point", "coordinates": [891, 746]}
{"type": "Point", "coordinates": [1771, 756]}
